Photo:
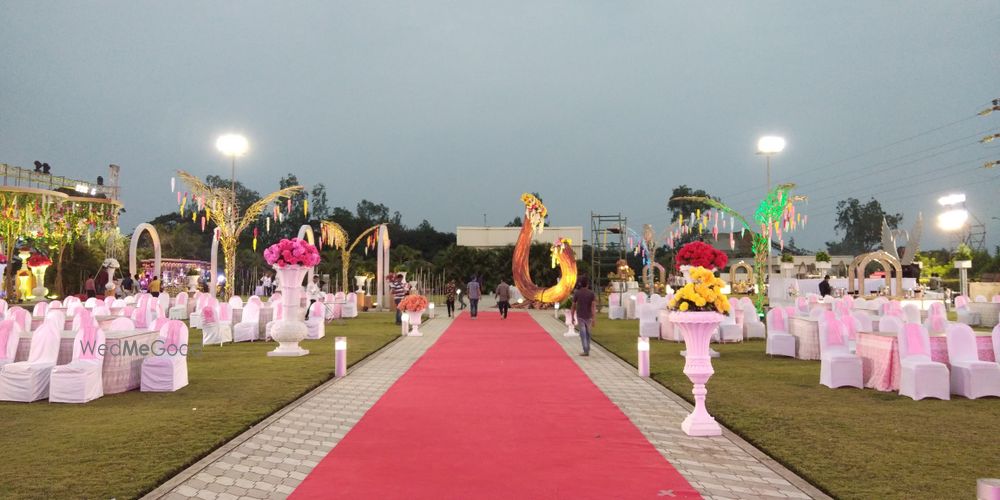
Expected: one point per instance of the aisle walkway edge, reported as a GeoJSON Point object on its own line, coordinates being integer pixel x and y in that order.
{"type": "Point", "coordinates": [719, 467]}
{"type": "Point", "coordinates": [271, 458]}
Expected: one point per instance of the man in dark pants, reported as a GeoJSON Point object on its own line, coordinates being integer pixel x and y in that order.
{"type": "Point", "coordinates": [399, 290]}
{"type": "Point", "coordinates": [474, 295]}
{"type": "Point", "coordinates": [503, 298]}
{"type": "Point", "coordinates": [449, 297]}
{"type": "Point", "coordinates": [585, 309]}
{"type": "Point", "coordinates": [824, 287]}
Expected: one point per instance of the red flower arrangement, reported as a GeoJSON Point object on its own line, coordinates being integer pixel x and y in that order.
{"type": "Point", "coordinates": [3, 259]}
{"type": "Point", "coordinates": [292, 252]}
{"type": "Point", "coordinates": [699, 253]}
{"type": "Point", "coordinates": [39, 260]}
{"type": "Point", "coordinates": [412, 303]}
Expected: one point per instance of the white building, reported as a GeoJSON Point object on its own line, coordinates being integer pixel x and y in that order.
{"type": "Point", "coordinates": [496, 237]}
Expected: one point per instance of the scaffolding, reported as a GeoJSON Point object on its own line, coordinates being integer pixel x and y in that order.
{"type": "Point", "coordinates": [23, 177]}
{"type": "Point", "coordinates": [607, 246]}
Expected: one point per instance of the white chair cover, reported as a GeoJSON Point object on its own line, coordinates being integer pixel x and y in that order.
{"type": "Point", "coordinates": [141, 316]}
{"type": "Point", "coordinates": [337, 310]}
{"type": "Point", "coordinates": [838, 367]}
{"type": "Point", "coordinates": [980, 298]}
{"type": "Point", "coordinates": [863, 320]}
{"type": "Point", "coordinates": [248, 328]}
{"type": "Point", "coordinates": [39, 310]}
{"type": "Point", "coordinates": [28, 381]}
{"type": "Point", "coordinates": [20, 316]}
{"type": "Point", "coordinates": [180, 308]}
{"type": "Point", "coordinates": [648, 324]}
{"type": "Point", "coordinates": [350, 309]}
{"type": "Point", "coordinates": [316, 322]}
{"type": "Point", "coordinates": [890, 324]}
{"type": "Point", "coordinates": [162, 304]}
{"type": "Point", "coordinates": [10, 336]}
{"type": "Point", "coordinates": [81, 380]}
{"type": "Point", "coordinates": [121, 325]}
{"type": "Point", "coordinates": [753, 327]}
{"type": "Point", "coordinates": [911, 313]}
{"type": "Point", "coordinates": [215, 331]}
{"type": "Point", "coordinates": [57, 319]}
{"type": "Point", "coordinates": [3, 306]}
{"type": "Point", "coordinates": [109, 301]}
{"type": "Point", "coordinates": [90, 302]}
{"type": "Point", "coordinates": [970, 377]}
{"type": "Point", "coordinates": [166, 370]}
{"type": "Point", "coordinates": [920, 377]}
{"type": "Point", "coordinates": [83, 317]}
{"type": "Point", "coordinates": [235, 302]}
{"type": "Point", "coordinates": [102, 310]}
{"type": "Point", "coordinates": [131, 299]}
{"type": "Point", "coordinates": [966, 315]}
{"type": "Point", "coordinates": [937, 319]}
{"type": "Point", "coordinates": [254, 299]}
{"type": "Point", "coordinates": [728, 330]}
{"type": "Point", "coordinates": [278, 314]}
{"type": "Point", "coordinates": [996, 342]}
{"type": "Point", "coordinates": [195, 318]}
{"type": "Point", "coordinates": [779, 341]}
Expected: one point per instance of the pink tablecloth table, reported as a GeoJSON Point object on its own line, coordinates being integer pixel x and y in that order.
{"type": "Point", "coordinates": [879, 355]}
{"type": "Point", "coordinates": [806, 332]}
{"type": "Point", "coordinates": [122, 359]}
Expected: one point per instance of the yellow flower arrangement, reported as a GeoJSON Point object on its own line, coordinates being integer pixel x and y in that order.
{"type": "Point", "coordinates": [704, 293]}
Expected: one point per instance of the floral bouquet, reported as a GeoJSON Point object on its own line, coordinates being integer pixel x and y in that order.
{"type": "Point", "coordinates": [700, 254]}
{"type": "Point", "coordinates": [292, 252]}
{"type": "Point", "coordinates": [111, 263]}
{"type": "Point", "coordinates": [3, 259]}
{"type": "Point", "coordinates": [704, 293]}
{"type": "Point", "coordinates": [39, 260]}
{"type": "Point", "coordinates": [413, 303]}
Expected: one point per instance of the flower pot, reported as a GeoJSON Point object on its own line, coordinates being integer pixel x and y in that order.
{"type": "Point", "coordinates": [414, 320]}
{"type": "Point", "coordinates": [39, 291]}
{"type": "Point", "coordinates": [697, 328]}
{"type": "Point", "coordinates": [290, 330]}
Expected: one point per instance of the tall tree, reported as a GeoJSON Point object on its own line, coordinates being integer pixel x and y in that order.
{"type": "Point", "coordinates": [686, 207]}
{"type": "Point", "coordinates": [861, 225]}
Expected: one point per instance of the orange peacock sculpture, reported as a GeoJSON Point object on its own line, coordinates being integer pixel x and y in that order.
{"type": "Point", "coordinates": [562, 254]}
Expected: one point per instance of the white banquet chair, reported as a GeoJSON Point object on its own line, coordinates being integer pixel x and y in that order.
{"type": "Point", "coordinates": [996, 342]}
{"type": "Point", "coordinates": [130, 300]}
{"type": "Point", "coordinates": [90, 302]}
{"type": "Point", "coordinates": [39, 310]}
{"type": "Point", "coordinates": [965, 314]}
{"type": "Point", "coordinates": [249, 326]}
{"type": "Point", "coordinates": [162, 305]}
{"type": "Point", "coordinates": [728, 330]}
{"type": "Point", "coordinates": [122, 324]}
{"type": "Point", "coordinates": [316, 322]}
{"type": "Point", "coordinates": [213, 330]}
{"type": "Point", "coordinates": [28, 381]}
{"type": "Point", "coordinates": [225, 314]}
{"type": "Point", "coordinates": [57, 319]}
{"type": "Point", "coordinates": [648, 325]}
{"type": "Point", "coordinates": [911, 313]}
{"type": "Point", "coordinates": [753, 327]}
{"type": "Point", "coordinates": [80, 380]}
{"type": "Point", "coordinates": [277, 314]}
{"type": "Point", "coordinates": [166, 370]}
{"type": "Point", "coordinates": [195, 318]}
{"type": "Point", "coordinates": [102, 310]}
{"type": "Point", "coordinates": [108, 301]}
{"type": "Point", "coordinates": [981, 299]}
{"type": "Point", "coordinates": [970, 377]}
{"type": "Point", "coordinates": [996, 299]}
{"type": "Point", "coordinates": [838, 367]}
{"type": "Point", "coordinates": [3, 306]}
{"type": "Point", "coordinates": [141, 315]}
{"type": "Point", "coordinates": [10, 336]}
{"type": "Point", "coordinates": [937, 319]}
{"type": "Point", "coordinates": [779, 341]}
{"type": "Point", "coordinates": [83, 318]}
{"type": "Point", "coordinates": [350, 309]}
{"type": "Point", "coordinates": [235, 304]}
{"type": "Point", "coordinates": [21, 316]}
{"type": "Point", "coordinates": [180, 308]}
{"type": "Point", "coordinates": [920, 377]}
{"type": "Point", "coordinates": [890, 324]}
{"type": "Point", "coordinates": [801, 306]}
{"type": "Point", "coordinates": [863, 320]}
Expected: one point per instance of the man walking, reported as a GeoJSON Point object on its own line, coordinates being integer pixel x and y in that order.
{"type": "Point", "coordinates": [585, 309]}
{"type": "Point", "coordinates": [399, 290]}
{"type": "Point", "coordinates": [474, 294]}
{"type": "Point", "coordinates": [503, 298]}
{"type": "Point", "coordinates": [449, 297]}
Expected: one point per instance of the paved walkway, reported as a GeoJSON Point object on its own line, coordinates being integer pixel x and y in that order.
{"type": "Point", "coordinates": [273, 457]}
{"type": "Point", "coordinates": [719, 467]}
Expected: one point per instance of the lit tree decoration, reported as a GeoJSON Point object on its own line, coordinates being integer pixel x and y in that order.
{"type": "Point", "coordinates": [217, 205]}
{"type": "Point", "coordinates": [333, 234]}
{"type": "Point", "coordinates": [777, 208]}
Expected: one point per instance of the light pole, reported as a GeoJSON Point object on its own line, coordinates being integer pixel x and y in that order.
{"type": "Point", "coordinates": [769, 145]}
{"type": "Point", "coordinates": [955, 218]}
{"type": "Point", "coordinates": [232, 145]}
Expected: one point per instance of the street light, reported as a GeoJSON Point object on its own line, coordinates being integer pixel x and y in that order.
{"type": "Point", "coordinates": [954, 218]}
{"type": "Point", "coordinates": [233, 145]}
{"type": "Point", "coordinates": [769, 145]}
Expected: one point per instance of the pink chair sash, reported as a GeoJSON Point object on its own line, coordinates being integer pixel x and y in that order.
{"type": "Point", "coordinates": [802, 304]}
{"type": "Point", "coordinates": [850, 327]}
{"type": "Point", "coordinates": [996, 299]}
{"type": "Point", "coordinates": [173, 337]}
{"type": "Point", "coordinates": [39, 309]}
{"type": "Point", "coordinates": [225, 314]}
{"type": "Point", "coordinates": [208, 314]}
{"type": "Point", "coordinates": [813, 299]}
{"type": "Point", "coordinates": [829, 316]}
{"type": "Point", "coordinates": [937, 323]}
{"type": "Point", "coordinates": [914, 340]}
{"type": "Point", "coordinates": [129, 310]}
{"type": "Point", "coordinates": [317, 310]}
{"type": "Point", "coordinates": [834, 335]}
{"type": "Point", "coordinates": [88, 339]}
{"type": "Point", "coordinates": [5, 328]}
{"type": "Point", "coordinates": [84, 317]}
{"type": "Point", "coordinates": [961, 302]}
{"type": "Point", "coordinates": [778, 315]}
{"type": "Point", "coordinates": [160, 322]}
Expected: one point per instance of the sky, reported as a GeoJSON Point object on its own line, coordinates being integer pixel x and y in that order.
{"type": "Point", "coordinates": [448, 111]}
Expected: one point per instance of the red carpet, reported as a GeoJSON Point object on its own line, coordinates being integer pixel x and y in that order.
{"type": "Point", "coordinates": [495, 409]}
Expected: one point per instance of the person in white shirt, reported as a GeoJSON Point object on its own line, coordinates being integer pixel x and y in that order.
{"type": "Point", "coordinates": [313, 292]}
{"type": "Point", "coordinates": [266, 283]}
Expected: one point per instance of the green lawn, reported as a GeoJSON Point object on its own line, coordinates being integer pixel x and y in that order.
{"type": "Point", "coordinates": [851, 443]}
{"type": "Point", "coordinates": [124, 445]}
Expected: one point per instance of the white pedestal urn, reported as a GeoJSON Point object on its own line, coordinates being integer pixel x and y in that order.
{"type": "Point", "coordinates": [414, 320]}
{"type": "Point", "coordinates": [39, 291]}
{"type": "Point", "coordinates": [570, 323]}
{"type": "Point", "coordinates": [291, 329]}
{"type": "Point", "coordinates": [697, 328]}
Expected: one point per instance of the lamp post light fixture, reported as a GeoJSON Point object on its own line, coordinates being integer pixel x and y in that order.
{"type": "Point", "coordinates": [340, 357]}
{"type": "Point", "coordinates": [556, 311]}
{"type": "Point", "coordinates": [956, 218]}
{"type": "Point", "coordinates": [232, 145]}
{"type": "Point", "coordinates": [430, 311]}
{"type": "Point", "coordinates": [769, 145]}
{"type": "Point", "coordinates": [405, 319]}
{"type": "Point", "coordinates": [643, 356]}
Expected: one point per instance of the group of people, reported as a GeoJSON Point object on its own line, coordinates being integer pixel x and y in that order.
{"type": "Point", "coordinates": [129, 285]}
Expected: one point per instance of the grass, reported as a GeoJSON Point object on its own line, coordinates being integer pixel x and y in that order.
{"type": "Point", "coordinates": [850, 443]}
{"type": "Point", "coordinates": [124, 445]}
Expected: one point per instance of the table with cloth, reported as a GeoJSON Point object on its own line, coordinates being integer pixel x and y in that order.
{"type": "Point", "coordinates": [806, 333]}
{"type": "Point", "coordinates": [122, 359]}
{"type": "Point", "coordinates": [879, 353]}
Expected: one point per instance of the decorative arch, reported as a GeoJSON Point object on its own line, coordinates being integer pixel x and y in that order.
{"type": "Point", "coordinates": [737, 267]}
{"type": "Point", "coordinates": [306, 233]}
{"type": "Point", "coordinates": [649, 279]}
{"type": "Point", "coordinates": [134, 245]}
{"type": "Point", "coordinates": [889, 263]}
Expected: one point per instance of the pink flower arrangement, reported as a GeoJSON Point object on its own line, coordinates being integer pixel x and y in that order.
{"type": "Point", "coordinates": [413, 303]}
{"type": "Point", "coordinates": [3, 259]}
{"type": "Point", "coordinates": [292, 252]}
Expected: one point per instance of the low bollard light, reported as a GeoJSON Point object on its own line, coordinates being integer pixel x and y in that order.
{"type": "Point", "coordinates": [643, 356]}
{"type": "Point", "coordinates": [430, 311]}
{"type": "Point", "coordinates": [556, 313]}
{"type": "Point", "coordinates": [406, 323]}
{"type": "Point", "coordinates": [340, 357]}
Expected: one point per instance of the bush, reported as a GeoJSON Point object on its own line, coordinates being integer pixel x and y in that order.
{"type": "Point", "coordinates": [786, 257]}
{"type": "Point", "coordinates": [822, 257]}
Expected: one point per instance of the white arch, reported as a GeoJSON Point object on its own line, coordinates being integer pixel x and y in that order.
{"type": "Point", "coordinates": [306, 232]}
{"type": "Point", "coordinates": [213, 279]}
{"type": "Point", "coordinates": [132, 264]}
